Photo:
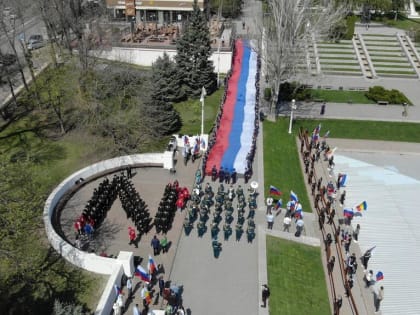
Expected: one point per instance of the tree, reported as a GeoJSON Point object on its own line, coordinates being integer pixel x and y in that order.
{"type": "Point", "coordinates": [195, 70]}
{"type": "Point", "coordinates": [161, 117]}
{"type": "Point", "coordinates": [289, 26]}
{"type": "Point", "coordinates": [67, 309]}
{"type": "Point", "coordinates": [165, 78]}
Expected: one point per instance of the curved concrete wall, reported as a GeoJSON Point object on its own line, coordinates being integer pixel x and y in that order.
{"type": "Point", "coordinates": [91, 261]}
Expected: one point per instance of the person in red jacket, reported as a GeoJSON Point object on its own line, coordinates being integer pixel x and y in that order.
{"type": "Point", "coordinates": [132, 235]}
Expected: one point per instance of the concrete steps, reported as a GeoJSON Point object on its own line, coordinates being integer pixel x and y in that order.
{"type": "Point", "coordinates": [338, 58]}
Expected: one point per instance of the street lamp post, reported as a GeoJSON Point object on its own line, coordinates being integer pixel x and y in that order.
{"type": "Point", "coordinates": [291, 115]}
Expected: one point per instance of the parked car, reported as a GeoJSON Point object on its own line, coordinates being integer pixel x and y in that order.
{"type": "Point", "coordinates": [35, 42]}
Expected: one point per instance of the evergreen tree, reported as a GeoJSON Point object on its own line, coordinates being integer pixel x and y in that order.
{"type": "Point", "coordinates": [166, 80]}
{"type": "Point", "coordinates": [161, 118]}
{"type": "Point", "coordinates": [195, 70]}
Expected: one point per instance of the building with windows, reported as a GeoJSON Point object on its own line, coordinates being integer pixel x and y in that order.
{"type": "Point", "coordinates": [157, 11]}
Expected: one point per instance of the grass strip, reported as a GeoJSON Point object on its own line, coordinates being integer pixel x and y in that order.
{"type": "Point", "coordinates": [296, 279]}
{"type": "Point", "coordinates": [281, 162]}
{"type": "Point", "coordinates": [344, 96]}
{"type": "Point", "coordinates": [190, 112]}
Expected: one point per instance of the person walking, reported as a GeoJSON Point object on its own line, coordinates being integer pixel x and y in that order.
{"type": "Point", "coordinates": [365, 259]}
{"type": "Point", "coordinates": [161, 285]}
{"type": "Point", "coordinates": [132, 236]}
{"type": "Point", "coordinates": [129, 286]}
{"type": "Point", "coordinates": [269, 203]}
{"type": "Point", "coordinates": [356, 233]}
{"type": "Point", "coordinates": [265, 295]}
{"type": "Point", "coordinates": [164, 244]}
{"type": "Point", "coordinates": [337, 305]}
{"type": "Point", "coordinates": [378, 297]}
{"type": "Point", "coordinates": [270, 220]}
{"type": "Point", "coordinates": [287, 221]}
{"type": "Point", "coordinates": [155, 243]}
{"type": "Point", "coordinates": [342, 198]}
{"type": "Point", "coordinates": [136, 310]}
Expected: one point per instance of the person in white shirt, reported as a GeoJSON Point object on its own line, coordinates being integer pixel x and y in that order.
{"type": "Point", "coordinates": [286, 223]}
{"type": "Point", "coordinates": [269, 203]}
{"type": "Point", "coordinates": [270, 220]}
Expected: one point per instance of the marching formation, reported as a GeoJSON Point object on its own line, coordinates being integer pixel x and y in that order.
{"type": "Point", "coordinates": [174, 197]}
{"type": "Point", "coordinates": [101, 201]}
{"type": "Point", "coordinates": [228, 210]}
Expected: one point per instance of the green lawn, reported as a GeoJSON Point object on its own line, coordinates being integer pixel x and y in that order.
{"type": "Point", "coordinates": [296, 279]}
{"type": "Point", "coordinates": [190, 112]}
{"type": "Point", "coordinates": [281, 162]}
{"type": "Point", "coordinates": [337, 96]}
{"type": "Point", "coordinates": [368, 130]}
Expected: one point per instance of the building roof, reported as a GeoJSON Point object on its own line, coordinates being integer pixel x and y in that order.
{"type": "Point", "coordinates": [391, 222]}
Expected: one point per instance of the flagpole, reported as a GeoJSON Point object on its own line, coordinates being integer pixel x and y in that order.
{"type": "Point", "coordinates": [203, 94]}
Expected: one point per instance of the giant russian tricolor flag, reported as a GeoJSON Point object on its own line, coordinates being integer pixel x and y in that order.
{"type": "Point", "coordinates": [237, 124]}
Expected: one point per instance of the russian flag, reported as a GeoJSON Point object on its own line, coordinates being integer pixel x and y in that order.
{"type": "Point", "coordinates": [142, 274]}
{"type": "Point", "coordinates": [293, 196]}
{"type": "Point", "coordinates": [379, 276]}
{"type": "Point", "coordinates": [343, 180]}
{"type": "Point", "coordinates": [362, 206]}
{"type": "Point", "coordinates": [348, 212]}
{"type": "Point", "coordinates": [275, 191]}
{"type": "Point", "coordinates": [151, 265]}
{"type": "Point", "coordinates": [279, 203]}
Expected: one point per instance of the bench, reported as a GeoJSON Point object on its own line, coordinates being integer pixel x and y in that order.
{"type": "Point", "coordinates": [383, 103]}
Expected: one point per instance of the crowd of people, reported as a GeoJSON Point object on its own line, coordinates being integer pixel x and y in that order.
{"type": "Point", "coordinates": [328, 198]}
{"type": "Point", "coordinates": [219, 208]}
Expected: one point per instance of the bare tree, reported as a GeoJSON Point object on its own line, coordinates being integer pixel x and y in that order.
{"type": "Point", "coordinates": [288, 27]}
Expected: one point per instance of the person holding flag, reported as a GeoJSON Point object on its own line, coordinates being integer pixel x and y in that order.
{"type": "Point", "coordinates": [275, 191]}
{"type": "Point", "coordinates": [152, 267]}
{"type": "Point", "coordinates": [145, 296]}
{"type": "Point", "coordinates": [142, 274]}
{"type": "Point", "coordinates": [269, 201]}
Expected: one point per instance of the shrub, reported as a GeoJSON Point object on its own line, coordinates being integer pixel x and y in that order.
{"type": "Point", "coordinates": [293, 90]}
{"type": "Point", "coordinates": [379, 93]}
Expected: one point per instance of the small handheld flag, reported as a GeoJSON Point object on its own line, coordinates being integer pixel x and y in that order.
{"type": "Point", "coordinates": [327, 134]}
{"type": "Point", "coordinates": [362, 206]}
{"type": "Point", "coordinates": [379, 276]}
{"type": "Point", "coordinates": [348, 212]}
{"type": "Point", "coordinates": [343, 180]}
{"type": "Point", "coordinates": [293, 196]}
{"type": "Point", "coordinates": [151, 265]}
{"type": "Point", "coordinates": [279, 203]}
{"type": "Point", "coordinates": [275, 191]}
{"type": "Point", "coordinates": [142, 274]}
